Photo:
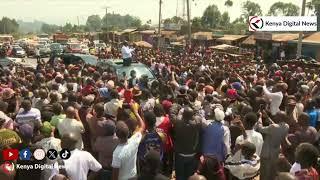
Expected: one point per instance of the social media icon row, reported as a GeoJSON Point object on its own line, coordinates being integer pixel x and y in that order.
{"type": "Point", "coordinates": [39, 154]}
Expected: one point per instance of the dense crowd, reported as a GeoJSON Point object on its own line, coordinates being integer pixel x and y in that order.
{"type": "Point", "coordinates": [206, 116]}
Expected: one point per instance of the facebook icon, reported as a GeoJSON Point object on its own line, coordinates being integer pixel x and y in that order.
{"type": "Point", "coordinates": [25, 154]}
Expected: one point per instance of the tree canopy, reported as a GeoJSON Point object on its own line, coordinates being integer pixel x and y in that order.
{"type": "Point", "coordinates": [94, 23]}
{"type": "Point", "coordinates": [211, 17]}
{"type": "Point", "coordinates": [8, 26]}
{"type": "Point", "coordinates": [284, 9]}
{"type": "Point", "coordinates": [250, 8]}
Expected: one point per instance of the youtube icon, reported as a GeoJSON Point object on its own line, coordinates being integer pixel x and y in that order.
{"type": "Point", "coordinates": [10, 154]}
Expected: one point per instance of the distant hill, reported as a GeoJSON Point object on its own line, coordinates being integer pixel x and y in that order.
{"type": "Point", "coordinates": [30, 27]}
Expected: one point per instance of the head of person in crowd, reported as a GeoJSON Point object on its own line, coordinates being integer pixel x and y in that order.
{"type": "Point", "coordinates": [46, 129]}
{"type": "Point", "coordinates": [280, 117]}
{"type": "Point", "coordinates": [187, 114]}
{"type": "Point", "coordinates": [99, 110]}
{"type": "Point", "coordinates": [70, 112]}
{"type": "Point", "coordinates": [248, 150]}
{"type": "Point", "coordinates": [26, 105]}
{"type": "Point", "coordinates": [25, 131]}
{"type": "Point", "coordinates": [210, 167]}
{"type": "Point", "coordinates": [43, 94]}
{"type": "Point", "coordinates": [122, 131]}
{"type": "Point", "coordinates": [306, 155]}
{"type": "Point", "coordinates": [152, 164]}
{"type": "Point", "coordinates": [303, 120]}
{"type": "Point", "coordinates": [250, 120]}
{"type": "Point", "coordinates": [69, 141]}
{"type": "Point", "coordinates": [150, 120]}
{"type": "Point", "coordinates": [3, 106]}
{"type": "Point", "coordinates": [197, 177]}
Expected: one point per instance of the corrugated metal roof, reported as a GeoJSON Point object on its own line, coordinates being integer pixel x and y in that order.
{"type": "Point", "coordinates": [229, 37]}
{"type": "Point", "coordinates": [284, 37]}
{"type": "Point", "coordinates": [249, 40]}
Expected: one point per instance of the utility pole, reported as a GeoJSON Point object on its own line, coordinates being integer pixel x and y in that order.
{"type": "Point", "coordinates": [159, 27]}
{"type": "Point", "coordinates": [189, 23]}
{"type": "Point", "coordinates": [299, 46]}
{"type": "Point", "coordinates": [78, 21]}
{"type": "Point", "coordinates": [107, 23]}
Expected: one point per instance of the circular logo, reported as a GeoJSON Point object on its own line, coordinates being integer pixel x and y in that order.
{"type": "Point", "coordinates": [39, 154]}
{"type": "Point", "coordinates": [7, 167]}
{"type": "Point", "coordinates": [52, 154]}
{"type": "Point", "coordinates": [65, 154]}
{"type": "Point", "coordinates": [255, 23]}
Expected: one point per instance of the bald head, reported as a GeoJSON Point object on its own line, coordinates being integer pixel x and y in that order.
{"type": "Point", "coordinates": [197, 177]}
{"type": "Point", "coordinates": [69, 141]}
{"type": "Point", "coordinates": [70, 112]}
{"type": "Point", "coordinates": [281, 116]}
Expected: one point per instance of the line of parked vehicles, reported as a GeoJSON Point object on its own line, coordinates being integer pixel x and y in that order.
{"type": "Point", "coordinates": [24, 48]}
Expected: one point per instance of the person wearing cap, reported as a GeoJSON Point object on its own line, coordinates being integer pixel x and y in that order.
{"type": "Point", "coordinates": [49, 141]}
{"type": "Point", "coordinates": [216, 136]}
{"type": "Point", "coordinates": [126, 53]}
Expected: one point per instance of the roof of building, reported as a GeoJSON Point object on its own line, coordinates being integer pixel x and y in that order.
{"type": "Point", "coordinates": [313, 38]}
{"type": "Point", "coordinates": [129, 30]}
{"type": "Point", "coordinates": [284, 37]}
{"type": "Point", "coordinates": [250, 40]}
{"type": "Point", "coordinates": [202, 35]}
{"type": "Point", "coordinates": [229, 37]}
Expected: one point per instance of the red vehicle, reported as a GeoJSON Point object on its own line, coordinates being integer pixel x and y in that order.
{"type": "Point", "coordinates": [73, 48]}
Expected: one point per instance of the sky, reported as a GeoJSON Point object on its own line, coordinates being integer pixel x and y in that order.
{"type": "Point", "coordinates": [62, 11]}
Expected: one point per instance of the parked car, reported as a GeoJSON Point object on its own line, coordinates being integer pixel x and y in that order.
{"type": "Point", "coordinates": [5, 62]}
{"type": "Point", "coordinates": [84, 49]}
{"type": "Point", "coordinates": [44, 50]}
{"type": "Point", "coordinates": [19, 52]}
{"type": "Point", "coordinates": [69, 58]}
{"type": "Point", "coordinates": [116, 66]}
{"type": "Point", "coordinates": [73, 48]}
{"type": "Point", "coordinates": [56, 48]}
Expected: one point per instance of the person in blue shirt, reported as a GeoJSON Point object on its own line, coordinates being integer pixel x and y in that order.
{"type": "Point", "coordinates": [310, 108]}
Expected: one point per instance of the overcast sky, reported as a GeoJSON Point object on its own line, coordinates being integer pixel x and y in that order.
{"type": "Point", "coordinates": [62, 11]}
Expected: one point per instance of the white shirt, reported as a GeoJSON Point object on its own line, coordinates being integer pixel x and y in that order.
{"type": "Point", "coordinates": [254, 137]}
{"type": "Point", "coordinates": [275, 100]}
{"type": "Point", "coordinates": [50, 143]}
{"type": "Point", "coordinates": [31, 117]}
{"type": "Point", "coordinates": [72, 126]}
{"type": "Point", "coordinates": [295, 168]}
{"type": "Point", "coordinates": [78, 165]}
{"type": "Point", "coordinates": [126, 52]}
{"type": "Point", "coordinates": [125, 157]}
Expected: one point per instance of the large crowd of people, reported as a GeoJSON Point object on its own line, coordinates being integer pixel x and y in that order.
{"type": "Point", "coordinates": [204, 117]}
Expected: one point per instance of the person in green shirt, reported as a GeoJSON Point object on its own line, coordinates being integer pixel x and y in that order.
{"type": "Point", "coordinates": [58, 116]}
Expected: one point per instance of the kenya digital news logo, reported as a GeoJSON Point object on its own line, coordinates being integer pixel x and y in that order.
{"type": "Point", "coordinates": [7, 167]}
{"type": "Point", "coordinates": [255, 23]}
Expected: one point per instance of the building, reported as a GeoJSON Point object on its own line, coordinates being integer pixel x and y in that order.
{"type": "Point", "coordinates": [310, 45]}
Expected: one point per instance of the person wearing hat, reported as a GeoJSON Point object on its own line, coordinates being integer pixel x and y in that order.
{"type": "Point", "coordinates": [214, 129]}
{"type": "Point", "coordinates": [126, 53]}
{"type": "Point", "coordinates": [49, 141]}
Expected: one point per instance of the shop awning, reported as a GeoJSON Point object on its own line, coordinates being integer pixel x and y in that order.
{"type": "Point", "coordinates": [249, 40]}
{"type": "Point", "coordinates": [284, 37]}
{"type": "Point", "coordinates": [143, 44]}
{"type": "Point", "coordinates": [231, 37]}
{"type": "Point", "coordinates": [224, 47]}
{"type": "Point", "coordinates": [311, 39]}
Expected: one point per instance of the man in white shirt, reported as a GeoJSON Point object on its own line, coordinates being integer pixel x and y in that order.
{"type": "Point", "coordinates": [126, 53]}
{"type": "Point", "coordinates": [125, 155]}
{"type": "Point", "coordinates": [250, 135]}
{"type": "Point", "coordinates": [28, 115]}
{"type": "Point", "coordinates": [275, 97]}
{"type": "Point", "coordinates": [80, 162]}
{"type": "Point", "coordinates": [71, 125]}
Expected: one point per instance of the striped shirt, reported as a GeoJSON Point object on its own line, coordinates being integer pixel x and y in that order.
{"type": "Point", "coordinates": [32, 117]}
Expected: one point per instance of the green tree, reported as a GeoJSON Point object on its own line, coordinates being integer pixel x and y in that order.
{"type": "Point", "coordinates": [117, 21]}
{"type": "Point", "coordinates": [284, 9]}
{"type": "Point", "coordinates": [49, 28]}
{"type": "Point", "coordinates": [250, 8]}
{"type": "Point", "coordinates": [211, 17]}
{"type": "Point", "coordinates": [225, 20]}
{"type": "Point", "coordinates": [316, 8]}
{"type": "Point", "coordinates": [8, 26]}
{"type": "Point", "coordinates": [67, 28]}
{"type": "Point", "coordinates": [196, 24]}
{"type": "Point", "coordinates": [94, 23]}
{"type": "Point", "coordinates": [228, 3]}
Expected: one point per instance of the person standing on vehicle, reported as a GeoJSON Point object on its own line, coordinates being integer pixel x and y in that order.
{"type": "Point", "coordinates": [126, 53]}
{"type": "Point", "coordinates": [38, 54]}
